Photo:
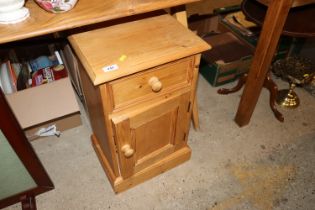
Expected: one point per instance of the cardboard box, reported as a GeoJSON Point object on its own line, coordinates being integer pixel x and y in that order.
{"type": "Point", "coordinates": [225, 24]}
{"type": "Point", "coordinates": [232, 53]}
{"type": "Point", "coordinates": [44, 105]}
{"type": "Point", "coordinates": [227, 60]}
{"type": "Point", "coordinates": [204, 24]}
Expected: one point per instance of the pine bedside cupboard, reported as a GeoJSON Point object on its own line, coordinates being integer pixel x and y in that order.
{"type": "Point", "coordinates": [139, 81]}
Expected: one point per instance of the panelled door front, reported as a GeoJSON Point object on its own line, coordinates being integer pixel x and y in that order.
{"type": "Point", "coordinates": [149, 134]}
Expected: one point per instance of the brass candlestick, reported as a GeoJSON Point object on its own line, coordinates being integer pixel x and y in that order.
{"type": "Point", "coordinates": [288, 98]}
{"type": "Point", "coordinates": [297, 71]}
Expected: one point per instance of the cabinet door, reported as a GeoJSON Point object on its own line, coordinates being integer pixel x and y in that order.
{"type": "Point", "coordinates": [150, 133]}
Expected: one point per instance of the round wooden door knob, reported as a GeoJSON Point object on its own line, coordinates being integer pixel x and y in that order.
{"type": "Point", "coordinates": [156, 84]}
{"type": "Point", "coordinates": [127, 150]}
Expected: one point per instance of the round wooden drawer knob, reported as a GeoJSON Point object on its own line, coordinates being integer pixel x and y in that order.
{"type": "Point", "coordinates": [127, 150]}
{"type": "Point", "coordinates": [156, 84]}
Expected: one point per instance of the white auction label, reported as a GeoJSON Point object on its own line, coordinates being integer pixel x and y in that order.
{"type": "Point", "coordinates": [110, 68]}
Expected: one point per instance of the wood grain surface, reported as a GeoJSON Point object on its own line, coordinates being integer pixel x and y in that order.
{"type": "Point", "coordinates": [162, 40]}
{"type": "Point", "coordinates": [85, 12]}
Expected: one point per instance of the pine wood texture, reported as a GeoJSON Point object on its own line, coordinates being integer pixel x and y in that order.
{"type": "Point", "coordinates": [99, 123]}
{"type": "Point", "coordinates": [170, 41]}
{"type": "Point", "coordinates": [265, 50]}
{"type": "Point", "coordinates": [112, 177]}
{"type": "Point", "coordinates": [194, 107]}
{"type": "Point", "coordinates": [119, 184]}
{"type": "Point", "coordinates": [296, 3]}
{"type": "Point", "coordinates": [147, 127]}
{"type": "Point", "coordinates": [181, 16]}
{"type": "Point", "coordinates": [136, 88]}
{"type": "Point", "coordinates": [195, 115]}
{"type": "Point", "coordinates": [152, 131]}
{"type": "Point", "coordinates": [86, 12]}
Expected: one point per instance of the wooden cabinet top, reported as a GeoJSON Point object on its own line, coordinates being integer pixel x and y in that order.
{"type": "Point", "coordinates": [85, 12]}
{"type": "Point", "coordinates": [116, 51]}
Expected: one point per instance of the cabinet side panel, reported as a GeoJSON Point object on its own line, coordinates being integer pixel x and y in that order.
{"type": "Point", "coordinates": [194, 75]}
{"type": "Point", "coordinates": [96, 114]}
{"type": "Point", "coordinates": [193, 98]}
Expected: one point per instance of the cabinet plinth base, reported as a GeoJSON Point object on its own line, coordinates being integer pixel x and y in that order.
{"type": "Point", "coordinates": [119, 184]}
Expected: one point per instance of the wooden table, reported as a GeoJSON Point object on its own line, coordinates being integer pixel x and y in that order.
{"type": "Point", "coordinates": [86, 12]}
{"type": "Point", "coordinates": [271, 31]}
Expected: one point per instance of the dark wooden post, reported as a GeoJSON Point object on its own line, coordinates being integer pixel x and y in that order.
{"type": "Point", "coordinates": [271, 31]}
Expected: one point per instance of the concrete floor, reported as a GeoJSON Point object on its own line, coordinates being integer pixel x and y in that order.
{"type": "Point", "coordinates": [265, 165]}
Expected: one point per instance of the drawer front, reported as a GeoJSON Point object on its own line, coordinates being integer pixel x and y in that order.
{"type": "Point", "coordinates": [151, 83]}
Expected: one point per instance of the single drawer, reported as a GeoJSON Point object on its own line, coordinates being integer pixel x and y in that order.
{"type": "Point", "coordinates": [151, 83]}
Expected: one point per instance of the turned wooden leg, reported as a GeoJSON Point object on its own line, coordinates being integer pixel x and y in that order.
{"type": "Point", "coordinates": [273, 89]}
{"type": "Point", "coordinates": [239, 85]}
{"type": "Point", "coordinates": [28, 203]}
{"type": "Point", "coordinates": [268, 83]}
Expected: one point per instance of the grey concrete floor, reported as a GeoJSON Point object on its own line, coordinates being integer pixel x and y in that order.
{"type": "Point", "coordinates": [265, 165]}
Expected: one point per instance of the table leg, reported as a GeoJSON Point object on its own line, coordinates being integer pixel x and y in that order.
{"type": "Point", "coordinates": [28, 203]}
{"type": "Point", "coordinates": [181, 16]}
{"type": "Point", "coordinates": [273, 89]}
{"type": "Point", "coordinates": [267, 44]}
{"type": "Point", "coordinates": [241, 82]}
{"type": "Point", "coordinates": [195, 115]}
{"type": "Point", "coordinates": [268, 83]}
